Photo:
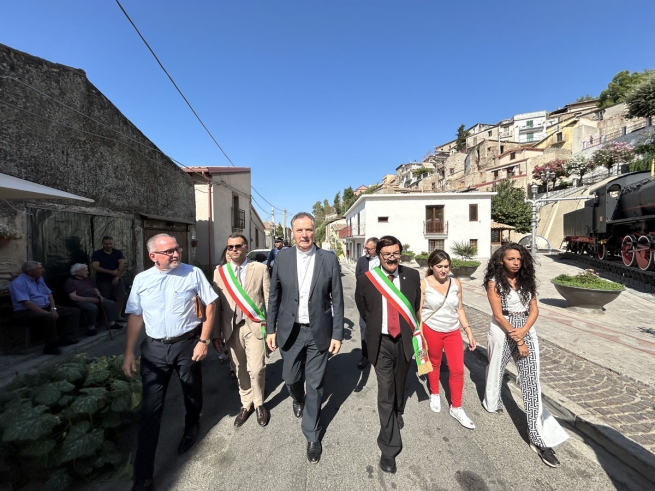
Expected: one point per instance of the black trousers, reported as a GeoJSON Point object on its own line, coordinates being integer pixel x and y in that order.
{"type": "Point", "coordinates": [391, 369]}
{"type": "Point", "coordinates": [303, 361]}
{"type": "Point", "coordinates": [68, 321]}
{"type": "Point", "coordinates": [158, 361]}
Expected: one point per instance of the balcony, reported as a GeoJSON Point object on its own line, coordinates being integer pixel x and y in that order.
{"type": "Point", "coordinates": [436, 227]}
{"type": "Point", "coordinates": [350, 231]}
{"type": "Point", "coordinates": [238, 219]}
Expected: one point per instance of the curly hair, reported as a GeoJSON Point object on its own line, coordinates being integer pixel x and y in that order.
{"type": "Point", "coordinates": [526, 282]}
{"type": "Point", "coordinates": [435, 258]}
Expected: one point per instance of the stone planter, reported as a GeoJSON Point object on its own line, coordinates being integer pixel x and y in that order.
{"type": "Point", "coordinates": [421, 262]}
{"type": "Point", "coordinates": [586, 298]}
{"type": "Point", "coordinates": [406, 259]}
{"type": "Point", "coordinates": [463, 272]}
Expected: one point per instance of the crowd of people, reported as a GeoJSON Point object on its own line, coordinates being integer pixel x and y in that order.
{"type": "Point", "coordinates": [295, 304]}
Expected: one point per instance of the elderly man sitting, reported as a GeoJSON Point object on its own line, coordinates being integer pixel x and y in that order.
{"type": "Point", "coordinates": [34, 304]}
{"type": "Point", "coordinates": [87, 298]}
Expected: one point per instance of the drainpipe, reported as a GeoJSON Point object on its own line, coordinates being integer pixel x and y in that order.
{"type": "Point", "coordinates": [209, 219]}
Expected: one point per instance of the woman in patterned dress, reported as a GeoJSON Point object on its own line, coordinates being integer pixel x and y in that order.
{"type": "Point", "coordinates": [512, 292]}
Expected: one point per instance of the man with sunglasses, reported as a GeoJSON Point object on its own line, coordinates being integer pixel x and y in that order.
{"type": "Point", "coordinates": [389, 337]}
{"type": "Point", "coordinates": [243, 332]}
{"type": "Point", "coordinates": [163, 298]}
{"type": "Point", "coordinates": [367, 262]}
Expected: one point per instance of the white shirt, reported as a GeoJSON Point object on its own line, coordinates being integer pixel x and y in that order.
{"type": "Point", "coordinates": [396, 282]}
{"type": "Point", "coordinates": [305, 265]}
{"type": "Point", "coordinates": [446, 319]}
{"type": "Point", "coordinates": [166, 299]}
{"type": "Point", "coordinates": [242, 280]}
{"type": "Point", "coordinates": [373, 263]}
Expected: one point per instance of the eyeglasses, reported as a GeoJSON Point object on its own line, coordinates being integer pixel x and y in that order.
{"type": "Point", "coordinates": [169, 252]}
{"type": "Point", "coordinates": [369, 249]}
{"type": "Point", "coordinates": [235, 247]}
{"type": "Point", "coordinates": [390, 255]}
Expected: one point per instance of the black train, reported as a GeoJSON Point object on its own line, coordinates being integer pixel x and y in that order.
{"type": "Point", "coordinates": [619, 219]}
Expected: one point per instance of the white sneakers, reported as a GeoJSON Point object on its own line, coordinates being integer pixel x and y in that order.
{"type": "Point", "coordinates": [435, 403]}
{"type": "Point", "coordinates": [459, 414]}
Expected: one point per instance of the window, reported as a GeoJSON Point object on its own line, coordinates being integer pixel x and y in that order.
{"type": "Point", "coordinates": [529, 123]}
{"type": "Point", "coordinates": [489, 132]}
{"type": "Point", "coordinates": [495, 236]}
{"type": "Point", "coordinates": [530, 136]}
{"type": "Point", "coordinates": [559, 137]}
{"type": "Point", "coordinates": [512, 156]}
{"type": "Point", "coordinates": [473, 213]}
{"type": "Point", "coordinates": [495, 174]}
{"type": "Point", "coordinates": [434, 223]}
{"type": "Point", "coordinates": [434, 244]}
{"type": "Point", "coordinates": [452, 171]}
{"type": "Point", "coordinates": [474, 243]}
{"type": "Point", "coordinates": [383, 219]}
{"type": "Point", "coordinates": [502, 148]}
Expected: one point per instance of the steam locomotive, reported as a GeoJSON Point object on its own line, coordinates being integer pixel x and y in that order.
{"type": "Point", "coordinates": [618, 219]}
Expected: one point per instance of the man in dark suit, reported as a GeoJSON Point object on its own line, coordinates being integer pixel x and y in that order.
{"type": "Point", "coordinates": [389, 339]}
{"type": "Point", "coordinates": [305, 319]}
{"type": "Point", "coordinates": [365, 263]}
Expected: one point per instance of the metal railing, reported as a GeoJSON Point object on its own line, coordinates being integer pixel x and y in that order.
{"type": "Point", "coordinates": [432, 227]}
{"type": "Point", "coordinates": [238, 219]}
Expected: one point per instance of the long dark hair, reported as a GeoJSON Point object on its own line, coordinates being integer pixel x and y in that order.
{"type": "Point", "coordinates": [223, 260]}
{"type": "Point", "coordinates": [526, 282]}
{"type": "Point", "coordinates": [435, 258]}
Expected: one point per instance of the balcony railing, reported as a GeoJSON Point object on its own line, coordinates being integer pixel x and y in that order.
{"type": "Point", "coordinates": [238, 219]}
{"type": "Point", "coordinates": [352, 231]}
{"type": "Point", "coordinates": [435, 227]}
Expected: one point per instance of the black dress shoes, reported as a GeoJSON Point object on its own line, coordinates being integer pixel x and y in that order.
{"type": "Point", "coordinates": [143, 485]}
{"type": "Point", "coordinates": [401, 421]}
{"type": "Point", "coordinates": [262, 415]}
{"type": "Point", "coordinates": [298, 408]}
{"type": "Point", "coordinates": [388, 464]}
{"type": "Point", "coordinates": [362, 363]}
{"type": "Point", "coordinates": [188, 440]}
{"type": "Point", "coordinates": [243, 416]}
{"type": "Point", "coordinates": [314, 451]}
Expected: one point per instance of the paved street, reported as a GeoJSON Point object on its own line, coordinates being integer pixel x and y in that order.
{"type": "Point", "coordinates": [438, 453]}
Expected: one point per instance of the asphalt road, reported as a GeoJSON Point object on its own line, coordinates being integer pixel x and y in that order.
{"type": "Point", "coordinates": [438, 454]}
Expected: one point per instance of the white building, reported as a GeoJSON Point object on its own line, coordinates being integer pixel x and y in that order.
{"type": "Point", "coordinates": [425, 221]}
{"type": "Point", "coordinates": [223, 207]}
{"type": "Point", "coordinates": [529, 127]}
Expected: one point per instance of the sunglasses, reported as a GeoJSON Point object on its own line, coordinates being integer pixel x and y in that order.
{"type": "Point", "coordinates": [235, 247]}
{"type": "Point", "coordinates": [169, 252]}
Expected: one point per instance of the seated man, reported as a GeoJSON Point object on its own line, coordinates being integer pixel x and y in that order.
{"type": "Point", "coordinates": [87, 298]}
{"type": "Point", "coordinates": [34, 304]}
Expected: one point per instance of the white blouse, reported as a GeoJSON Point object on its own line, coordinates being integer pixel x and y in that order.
{"type": "Point", "coordinates": [446, 319]}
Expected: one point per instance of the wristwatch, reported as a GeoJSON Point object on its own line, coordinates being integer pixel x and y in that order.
{"type": "Point", "coordinates": [206, 341]}
{"type": "Point", "coordinates": [53, 308]}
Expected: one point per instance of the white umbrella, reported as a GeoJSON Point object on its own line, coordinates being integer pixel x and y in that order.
{"type": "Point", "coordinates": [12, 187]}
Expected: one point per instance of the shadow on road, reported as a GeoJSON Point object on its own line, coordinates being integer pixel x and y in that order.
{"type": "Point", "coordinates": [554, 302]}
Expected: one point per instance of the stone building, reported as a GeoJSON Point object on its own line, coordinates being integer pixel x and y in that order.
{"type": "Point", "coordinates": [60, 131]}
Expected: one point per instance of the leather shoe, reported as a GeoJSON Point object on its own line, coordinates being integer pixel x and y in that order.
{"type": "Point", "coordinates": [243, 416]}
{"type": "Point", "coordinates": [401, 421]}
{"type": "Point", "coordinates": [298, 408]}
{"type": "Point", "coordinates": [362, 363]}
{"type": "Point", "coordinates": [262, 415]}
{"type": "Point", "coordinates": [188, 439]}
{"type": "Point", "coordinates": [314, 451]}
{"type": "Point", "coordinates": [143, 485]}
{"type": "Point", "coordinates": [388, 464]}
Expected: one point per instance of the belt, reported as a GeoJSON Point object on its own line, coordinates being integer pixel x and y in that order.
{"type": "Point", "coordinates": [183, 337]}
{"type": "Point", "coordinates": [301, 325]}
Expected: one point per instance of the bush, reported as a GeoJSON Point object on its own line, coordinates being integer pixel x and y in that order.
{"type": "Point", "coordinates": [408, 253]}
{"type": "Point", "coordinates": [458, 263]}
{"type": "Point", "coordinates": [464, 250]}
{"type": "Point", "coordinates": [422, 255]}
{"type": "Point", "coordinates": [587, 279]}
{"type": "Point", "coordinates": [63, 422]}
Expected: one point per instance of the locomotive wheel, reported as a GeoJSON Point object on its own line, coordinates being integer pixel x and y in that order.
{"type": "Point", "coordinates": [628, 250]}
{"type": "Point", "coordinates": [602, 252]}
{"type": "Point", "coordinates": [645, 255]}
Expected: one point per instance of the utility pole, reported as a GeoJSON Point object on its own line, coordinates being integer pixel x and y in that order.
{"type": "Point", "coordinates": [274, 227]}
{"type": "Point", "coordinates": [284, 224]}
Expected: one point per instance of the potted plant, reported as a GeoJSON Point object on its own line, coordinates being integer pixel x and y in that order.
{"type": "Point", "coordinates": [407, 255]}
{"type": "Point", "coordinates": [463, 266]}
{"type": "Point", "coordinates": [586, 290]}
{"type": "Point", "coordinates": [422, 259]}
{"type": "Point", "coordinates": [8, 233]}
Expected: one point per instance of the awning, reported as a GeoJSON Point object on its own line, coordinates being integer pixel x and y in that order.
{"type": "Point", "coordinates": [12, 187]}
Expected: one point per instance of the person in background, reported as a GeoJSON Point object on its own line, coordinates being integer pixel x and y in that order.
{"type": "Point", "coordinates": [442, 314]}
{"type": "Point", "coordinates": [109, 265]}
{"type": "Point", "coordinates": [511, 286]}
{"type": "Point", "coordinates": [279, 243]}
{"type": "Point", "coordinates": [366, 263]}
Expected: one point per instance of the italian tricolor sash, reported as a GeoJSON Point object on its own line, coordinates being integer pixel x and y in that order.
{"type": "Point", "coordinates": [396, 298]}
{"type": "Point", "coordinates": [240, 297]}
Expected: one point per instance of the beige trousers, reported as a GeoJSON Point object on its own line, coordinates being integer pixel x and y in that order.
{"type": "Point", "coordinates": [249, 355]}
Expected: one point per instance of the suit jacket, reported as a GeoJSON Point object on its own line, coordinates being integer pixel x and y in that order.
{"type": "Point", "coordinates": [361, 267]}
{"type": "Point", "coordinates": [369, 304]}
{"type": "Point", "coordinates": [284, 297]}
{"type": "Point", "coordinates": [256, 285]}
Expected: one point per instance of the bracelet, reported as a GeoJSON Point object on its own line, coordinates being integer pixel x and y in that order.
{"type": "Point", "coordinates": [466, 327]}
{"type": "Point", "coordinates": [523, 344]}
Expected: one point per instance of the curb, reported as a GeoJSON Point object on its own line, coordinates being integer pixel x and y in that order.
{"type": "Point", "coordinates": [627, 451]}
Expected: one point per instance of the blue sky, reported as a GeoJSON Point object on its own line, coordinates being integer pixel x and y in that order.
{"type": "Point", "coordinates": [316, 96]}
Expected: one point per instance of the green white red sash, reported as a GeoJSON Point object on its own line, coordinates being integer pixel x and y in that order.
{"type": "Point", "coordinates": [239, 295]}
{"type": "Point", "coordinates": [396, 298]}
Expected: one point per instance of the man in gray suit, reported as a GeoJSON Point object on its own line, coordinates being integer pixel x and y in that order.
{"type": "Point", "coordinates": [305, 319]}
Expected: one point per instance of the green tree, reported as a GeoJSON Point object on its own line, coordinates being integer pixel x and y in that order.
{"type": "Point", "coordinates": [585, 98]}
{"type": "Point", "coordinates": [509, 207]}
{"type": "Point", "coordinates": [460, 143]}
{"type": "Point", "coordinates": [279, 231]}
{"type": "Point", "coordinates": [337, 203]}
{"type": "Point", "coordinates": [641, 99]}
{"type": "Point", "coordinates": [349, 198]}
{"type": "Point", "coordinates": [620, 86]}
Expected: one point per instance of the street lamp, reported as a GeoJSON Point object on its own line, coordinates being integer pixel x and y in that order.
{"type": "Point", "coordinates": [533, 222]}
{"type": "Point", "coordinates": [545, 175]}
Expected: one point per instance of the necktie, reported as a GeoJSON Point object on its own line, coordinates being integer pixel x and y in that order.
{"type": "Point", "coordinates": [238, 313]}
{"type": "Point", "coordinates": [393, 317]}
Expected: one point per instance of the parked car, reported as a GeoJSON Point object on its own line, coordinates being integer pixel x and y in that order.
{"type": "Point", "coordinates": [258, 255]}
